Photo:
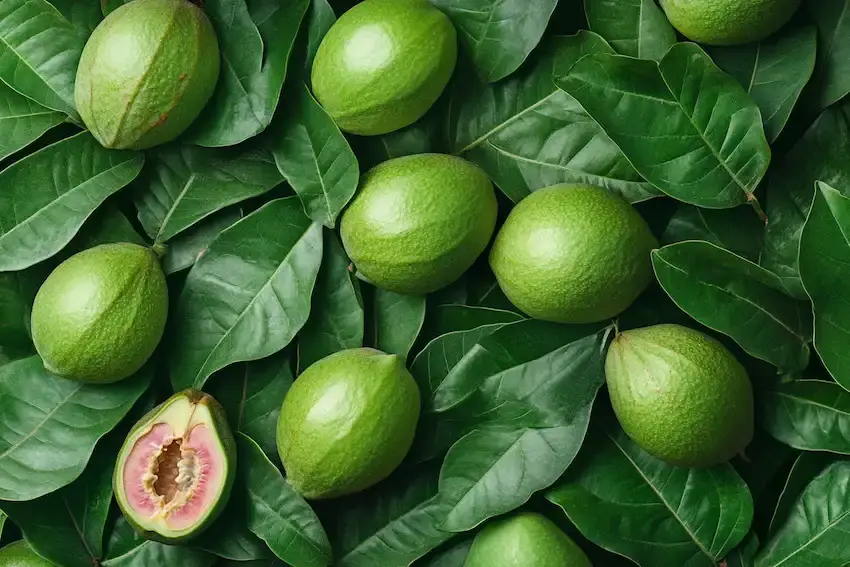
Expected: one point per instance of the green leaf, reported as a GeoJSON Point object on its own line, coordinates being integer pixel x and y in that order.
{"type": "Point", "coordinates": [229, 537]}
{"type": "Point", "coordinates": [449, 318]}
{"type": "Point", "coordinates": [774, 72]}
{"type": "Point", "coordinates": [740, 299]}
{"type": "Point", "coordinates": [17, 293]}
{"type": "Point", "coordinates": [148, 553]}
{"type": "Point", "coordinates": [759, 464]}
{"type": "Point", "coordinates": [107, 225]}
{"type": "Point", "coordinates": [455, 556]}
{"type": "Point", "coordinates": [422, 137]}
{"type": "Point", "coordinates": [185, 249]}
{"type": "Point", "coordinates": [314, 156]}
{"type": "Point", "coordinates": [815, 531]}
{"type": "Point", "coordinates": [320, 17]}
{"type": "Point", "coordinates": [42, 70]}
{"type": "Point", "coordinates": [397, 320]}
{"type": "Point", "coordinates": [23, 120]}
{"type": "Point", "coordinates": [526, 134]}
{"type": "Point", "coordinates": [277, 514]}
{"type": "Point", "coordinates": [831, 81]}
{"type": "Point", "coordinates": [50, 425]}
{"type": "Point", "coordinates": [637, 28]}
{"type": "Point", "coordinates": [85, 14]}
{"type": "Point", "coordinates": [805, 468]}
{"type": "Point", "coordinates": [745, 554]}
{"type": "Point", "coordinates": [2, 522]}
{"type": "Point", "coordinates": [336, 321]}
{"type": "Point", "coordinates": [248, 295]}
{"type": "Point", "coordinates": [824, 269]}
{"type": "Point", "coordinates": [738, 230]}
{"type": "Point", "coordinates": [50, 194]}
{"type": "Point", "coordinates": [256, 38]}
{"type": "Point", "coordinates": [498, 34]}
{"type": "Point", "coordinates": [184, 184]}
{"type": "Point", "coordinates": [632, 504]}
{"type": "Point", "coordinates": [688, 128]}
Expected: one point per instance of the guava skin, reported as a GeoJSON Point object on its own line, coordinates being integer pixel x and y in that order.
{"type": "Point", "coordinates": [728, 22]}
{"type": "Point", "coordinates": [573, 254]}
{"type": "Point", "coordinates": [522, 541]}
{"type": "Point", "coordinates": [20, 554]}
{"type": "Point", "coordinates": [419, 222]}
{"type": "Point", "coordinates": [383, 64]}
{"type": "Point", "coordinates": [100, 315]}
{"type": "Point", "coordinates": [146, 73]}
{"type": "Point", "coordinates": [680, 395]}
{"type": "Point", "coordinates": [347, 423]}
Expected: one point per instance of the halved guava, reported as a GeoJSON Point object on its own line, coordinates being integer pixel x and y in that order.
{"type": "Point", "coordinates": [176, 468]}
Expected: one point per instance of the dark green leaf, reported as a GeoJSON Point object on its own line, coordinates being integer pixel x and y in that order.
{"type": "Point", "coordinates": [422, 137]}
{"type": "Point", "coordinates": [449, 318]}
{"type": "Point", "coordinates": [804, 470]}
{"type": "Point", "coordinates": [17, 292]}
{"type": "Point", "coordinates": [229, 536]}
{"type": "Point", "coordinates": [398, 320]}
{"type": "Point", "coordinates": [149, 553]}
{"type": "Point", "coordinates": [455, 556]}
{"type": "Point", "coordinates": [249, 294]}
{"type": "Point", "coordinates": [184, 250]}
{"type": "Point", "coordinates": [23, 120]}
{"type": "Point", "coordinates": [687, 127]}
{"type": "Point", "coordinates": [745, 554]}
{"type": "Point", "coordinates": [740, 299]}
{"type": "Point", "coordinates": [738, 230]}
{"type": "Point", "coordinates": [2, 522]}
{"type": "Point", "coordinates": [831, 81]}
{"type": "Point", "coordinates": [637, 28]}
{"type": "Point", "coordinates": [320, 17]}
{"type": "Point", "coordinates": [85, 14]}
{"type": "Point", "coordinates": [106, 226]}
{"type": "Point", "coordinates": [763, 458]}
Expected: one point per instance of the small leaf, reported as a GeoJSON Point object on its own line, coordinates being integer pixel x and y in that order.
{"type": "Point", "coordinates": [185, 249]}
{"type": "Point", "coordinates": [398, 320]}
{"type": "Point", "coordinates": [831, 81]}
{"type": "Point", "coordinates": [49, 195]}
{"type": "Point", "coordinates": [249, 294]}
{"type": "Point", "coordinates": [738, 230]}
{"type": "Point", "coordinates": [637, 28]}
{"type": "Point", "coordinates": [23, 120]}
{"type": "Point", "coordinates": [810, 415]}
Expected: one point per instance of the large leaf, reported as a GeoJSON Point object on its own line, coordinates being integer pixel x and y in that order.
{"type": "Point", "coordinates": [256, 39]}
{"type": "Point", "coordinates": [774, 72]}
{"type": "Point", "coordinates": [498, 34]}
{"type": "Point", "coordinates": [628, 502]}
{"type": "Point", "coordinates": [23, 120]}
{"type": "Point", "coordinates": [825, 269]}
{"type": "Point", "coordinates": [184, 184]}
{"type": "Point", "coordinates": [336, 319]}
{"type": "Point", "coordinates": [815, 532]}
{"type": "Point", "coordinates": [527, 134]}
{"type": "Point", "coordinates": [148, 553]}
{"type": "Point", "coordinates": [40, 69]}
{"type": "Point", "coordinates": [249, 294]}
{"type": "Point", "coordinates": [48, 195]}
{"type": "Point", "coordinates": [687, 127]}
{"type": "Point", "coordinates": [184, 250]}
{"type": "Point", "coordinates": [803, 471]}
{"type": "Point", "coordinates": [49, 425]}
{"type": "Point", "coordinates": [637, 28]}
{"type": "Point", "coordinates": [314, 156]}
{"type": "Point", "coordinates": [277, 514]}
{"type": "Point", "coordinates": [397, 320]}
{"type": "Point", "coordinates": [738, 230]}
{"type": "Point", "coordinates": [740, 299]}
{"type": "Point", "coordinates": [831, 81]}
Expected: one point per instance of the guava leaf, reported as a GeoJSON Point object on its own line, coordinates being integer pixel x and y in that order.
{"type": "Point", "coordinates": [23, 120]}
{"type": "Point", "coordinates": [336, 318]}
{"type": "Point", "coordinates": [422, 137]}
{"type": "Point", "coordinates": [455, 556]}
{"type": "Point", "coordinates": [526, 134]}
{"type": "Point", "coordinates": [628, 502]}
{"type": "Point", "coordinates": [774, 72]}
{"type": "Point", "coordinates": [805, 468]}
{"type": "Point", "coordinates": [3, 518]}
{"type": "Point", "coordinates": [396, 321]}
{"type": "Point", "coordinates": [760, 462]}
{"type": "Point", "coordinates": [182, 185]}
{"type": "Point", "coordinates": [84, 14]}
{"type": "Point", "coordinates": [738, 230]}
{"type": "Point", "coordinates": [17, 293]}
{"type": "Point", "coordinates": [148, 553]}
{"type": "Point", "coordinates": [276, 513]}
{"type": "Point", "coordinates": [831, 80]}
{"type": "Point", "coordinates": [184, 249]}
{"type": "Point", "coordinates": [50, 425]}
{"type": "Point", "coordinates": [48, 195]}
{"type": "Point", "coordinates": [448, 318]}
{"type": "Point", "coordinates": [745, 554]}
{"type": "Point", "coordinates": [825, 269]}
{"type": "Point", "coordinates": [498, 34]}
{"type": "Point", "coordinates": [248, 295]}
{"type": "Point", "coordinates": [740, 299]}
{"type": "Point", "coordinates": [637, 28]}
{"type": "Point", "coordinates": [320, 17]}
{"type": "Point", "coordinates": [687, 127]}
{"type": "Point", "coordinates": [229, 536]}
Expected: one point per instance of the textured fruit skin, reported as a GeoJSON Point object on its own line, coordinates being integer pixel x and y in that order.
{"type": "Point", "coordinates": [383, 64]}
{"type": "Point", "coordinates": [100, 315]}
{"type": "Point", "coordinates": [728, 22]}
{"type": "Point", "coordinates": [146, 73]}
{"type": "Point", "coordinates": [573, 254]}
{"type": "Point", "coordinates": [347, 423]}
{"type": "Point", "coordinates": [680, 395]}
{"type": "Point", "coordinates": [419, 222]}
{"type": "Point", "coordinates": [20, 554]}
{"type": "Point", "coordinates": [522, 541]}
{"type": "Point", "coordinates": [228, 445]}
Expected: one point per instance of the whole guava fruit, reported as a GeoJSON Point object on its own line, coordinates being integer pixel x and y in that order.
{"type": "Point", "coordinates": [524, 540]}
{"type": "Point", "coordinates": [101, 313]}
{"type": "Point", "coordinates": [146, 73]}
{"type": "Point", "coordinates": [176, 469]}
{"type": "Point", "coordinates": [383, 64]}
{"type": "Point", "coordinates": [20, 554]}
{"type": "Point", "coordinates": [680, 395]}
{"type": "Point", "coordinates": [347, 423]}
{"type": "Point", "coordinates": [728, 22]}
{"type": "Point", "coordinates": [419, 222]}
{"type": "Point", "coordinates": [573, 254]}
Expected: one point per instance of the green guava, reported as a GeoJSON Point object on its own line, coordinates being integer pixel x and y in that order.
{"type": "Point", "coordinates": [347, 422]}
{"type": "Point", "coordinates": [383, 64]}
{"type": "Point", "coordinates": [728, 22]}
{"type": "Point", "coordinates": [100, 315]}
{"type": "Point", "coordinates": [419, 222]}
{"type": "Point", "coordinates": [146, 73]}
{"type": "Point", "coordinates": [20, 554]}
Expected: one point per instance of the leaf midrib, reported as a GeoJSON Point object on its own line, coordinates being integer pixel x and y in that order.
{"type": "Point", "coordinates": [35, 429]}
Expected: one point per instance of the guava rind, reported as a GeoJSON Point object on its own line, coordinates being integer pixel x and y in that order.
{"type": "Point", "coordinates": [728, 22]}
{"type": "Point", "coordinates": [383, 64]}
{"type": "Point", "coordinates": [573, 254]}
{"type": "Point", "coordinates": [221, 428]}
{"type": "Point", "coordinates": [680, 395]}
{"type": "Point", "coordinates": [100, 314]}
{"type": "Point", "coordinates": [146, 73]}
{"type": "Point", "coordinates": [20, 554]}
{"type": "Point", "coordinates": [370, 408]}
{"type": "Point", "coordinates": [419, 222]}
